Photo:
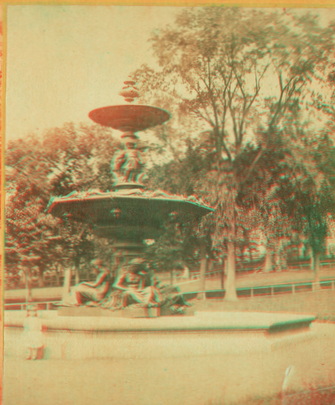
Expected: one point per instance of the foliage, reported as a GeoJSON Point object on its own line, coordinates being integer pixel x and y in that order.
{"type": "Point", "coordinates": [173, 248]}
{"type": "Point", "coordinates": [310, 195]}
{"type": "Point", "coordinates": [218, 64]}
{"type": "Point", "coordinates": [242, 86]}
{"type": "Point", "coordinates": [63, 160]}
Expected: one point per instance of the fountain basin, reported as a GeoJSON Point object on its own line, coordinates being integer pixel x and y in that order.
{"type": "Point", "coordinates": [132, 118]}
{"type": "Point", "coordinates": [134, 213]}
{"type": "Point", "coordinates": [204, 334]}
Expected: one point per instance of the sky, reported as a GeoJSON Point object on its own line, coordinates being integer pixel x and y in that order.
{"type": "Point", "coordinates": [64, 61]}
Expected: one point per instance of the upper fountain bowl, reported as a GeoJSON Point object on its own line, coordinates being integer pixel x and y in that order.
{"type": "Point", "coordinates": [130, 118]}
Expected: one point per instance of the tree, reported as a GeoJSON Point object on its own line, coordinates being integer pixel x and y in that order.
{"type": "Point", "coordinates": [168, 251]}
{"type": "Point", "coordinates": [181, 176]}
{"type": "Point", "coordinates": [218, 63]}
{"type": "Point", "coordinates": [310, 196]}
{"type": "Point", "coordinates": [30, 236]}
{"type": "Point", "coordinates": [260, 197]}
{"type": "Point", "coordinates": [64, 160]}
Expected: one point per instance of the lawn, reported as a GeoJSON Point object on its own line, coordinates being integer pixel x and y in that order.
{"type": "Point", "coordinates": [320, 303]}
{"type": "Point", "coordinates": [321, 396]}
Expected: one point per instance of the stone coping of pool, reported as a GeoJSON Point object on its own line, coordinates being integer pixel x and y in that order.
{"type": "Point", "coordinates": [202, 321]}
{"type": "Point", "coordinates": [125, 313]}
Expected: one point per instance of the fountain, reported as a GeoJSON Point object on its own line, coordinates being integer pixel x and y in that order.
{"type": "Point", "coordinates": [129, 214]}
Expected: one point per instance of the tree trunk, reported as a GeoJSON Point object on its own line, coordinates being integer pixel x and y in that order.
{"type": "Point", "coordinates": [67, 282]}
{"type": "Point", "coordinates": [276, 258]}
{"type": "Point", "coordinates": [186, 272]}
{"type": "Point", "coordinates": [23, 279]}
{"type": "Point", "coordinates": [283, 258]}
{"type": "Point", "coordinates": [224, 266]}
{"type": "Point", "coordinates": [57, 275]}
{"type": "Point", "coordinates": [301, 251]}
{"type": "Point", "coordinates": [40, 277]}
{"type": "Point", "coordinates": [326, 252]}
{"type": "Point", "coordinates": [210, 265]}
{"type": "Point", "coordinates": [28, 287]}
{"type": "Point", "coordinates": [312, 261]}
{"type": "Point", "coordinates": [316, 270]}
{"type": "Point", "coordinates": [171, 276]}
{"type": "Point", "coordinates": [230, 294]}
{"type": "Point", "coordinates": [76, 274]}
{"type": "Point", "coordinates": [268, 261]}
{"type": "Point", "coordinates": [203, 266]}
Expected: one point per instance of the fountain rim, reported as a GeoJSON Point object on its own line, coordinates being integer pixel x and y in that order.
{"type": "Point", "coordinates": [131, 107]}
{"type": "Point", "coordinates": [108, 196]}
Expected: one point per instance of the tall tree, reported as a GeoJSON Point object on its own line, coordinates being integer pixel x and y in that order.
{"type": "Point", "coordinates": [238, 72]}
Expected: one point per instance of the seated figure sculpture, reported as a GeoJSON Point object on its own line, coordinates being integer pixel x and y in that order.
{"type": "Point", "coordinates": [135, 287]}
{"type": "Point", "coordinates": [86, 292]}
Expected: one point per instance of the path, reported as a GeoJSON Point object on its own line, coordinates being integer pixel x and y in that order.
{"type": "Point", "coordinates": [174, 381]}
{"type": "Point", "coordinates": [258, 279]}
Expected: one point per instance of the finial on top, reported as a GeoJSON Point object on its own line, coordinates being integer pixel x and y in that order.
{"type": "Point", "coordinates": [129, 91]}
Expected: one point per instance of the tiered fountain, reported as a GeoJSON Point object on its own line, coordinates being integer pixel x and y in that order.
{"type": "Point", "coordinates": [129, 214]}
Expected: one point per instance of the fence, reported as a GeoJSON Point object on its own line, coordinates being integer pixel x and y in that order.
{"type": "Point", "coordinates": [43, 306]}
{"type": "Point", "coordinates": [268, 290]}
{"type": "Point", "coordinates": [195, 275]}
{"type": "Point", "coordinates": [245, 292]}
{"type": "Point", "coordinates": [247, 267]}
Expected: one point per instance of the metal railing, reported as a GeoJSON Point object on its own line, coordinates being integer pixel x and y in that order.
{"type": "Point", "coordinates": [22, 306]}
{"type": "Point", "coordinates": [268, 290]}
{"type": "Point", "coordinates": [243, 292]}
{"type": "Point", "coordinates": [196, 275]}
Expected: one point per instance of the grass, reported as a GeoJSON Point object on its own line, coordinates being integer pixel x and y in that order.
{"type": "Point", "coordinates": [256, 400]}
{"type": "Point", "coordinates": [320, 303]}
{"type": "Point", "coordinates": [315, 397]}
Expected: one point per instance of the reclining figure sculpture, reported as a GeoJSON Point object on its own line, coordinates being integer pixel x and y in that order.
{"type": "Point", "coordinates": [136, 286]}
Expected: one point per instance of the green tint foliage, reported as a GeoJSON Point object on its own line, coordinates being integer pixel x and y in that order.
{"type": "Point", "coordinates": [63, 160]}
{"type": "Point", "coordinates": [245, 76]}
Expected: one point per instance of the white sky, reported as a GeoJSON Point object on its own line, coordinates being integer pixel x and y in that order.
{"type": "Point", "coordinates": [64, 61]}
